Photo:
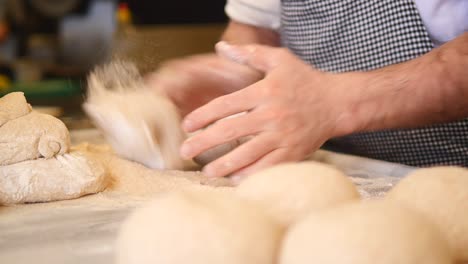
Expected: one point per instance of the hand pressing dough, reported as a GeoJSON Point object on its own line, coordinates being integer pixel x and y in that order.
{"type": "Point", "coordinates": [66, 176]}
{"type": "Point", "coordinates": [204, 227]}
{"type": "Point", "coordinates": [13, 105]}
{"type": "Point", "coordinates": [442, 194]}
{"type": "Point", "coordinates": [32, 136]}
{"type": "Point", "coordinates": [140, 124]}
{"type": "Point", "coordinates": [218, 151]}
{"type": "Point", "coordinates": [365, 233]}
{"type": "Point", "coordinates": [290, 191]}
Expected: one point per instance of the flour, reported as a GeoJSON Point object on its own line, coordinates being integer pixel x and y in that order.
{"type": "Point", "coordinates": [139, 123]}
{"type": "Point", "coordinates": [36, 164]}
{"type": "Point", "coordinates": [128, 184]}
{"type": "Point", "coordinates": [132, 178]}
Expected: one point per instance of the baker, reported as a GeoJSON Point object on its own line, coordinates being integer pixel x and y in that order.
{"type": "Point", "coordinates": [385, 79]}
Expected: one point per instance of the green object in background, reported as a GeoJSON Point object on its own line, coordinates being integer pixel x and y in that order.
{"type": "Point", "coordinates": [48, 89]}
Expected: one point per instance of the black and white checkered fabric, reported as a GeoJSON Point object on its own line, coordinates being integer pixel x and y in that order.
{"type": "Point", "coordinates": [357, 35]}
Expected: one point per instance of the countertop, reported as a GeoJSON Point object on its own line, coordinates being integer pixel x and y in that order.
{"type": "Point", "coordinates": [84, 230]}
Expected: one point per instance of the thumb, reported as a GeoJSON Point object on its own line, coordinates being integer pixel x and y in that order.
{"type": "Point", "coordinates": [259, 57]}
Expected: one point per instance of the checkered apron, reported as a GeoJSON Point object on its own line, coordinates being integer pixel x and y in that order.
{"type": "Point", "coordinates": [362, 35]}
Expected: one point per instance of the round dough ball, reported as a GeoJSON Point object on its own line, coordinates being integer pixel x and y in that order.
{"type": "Point", "coordinates": [442, 194]}
{"type": "Point", "coordinates": [365, 232]}
{"type": "Point", "coordinates": [290, 191]}
{"type": "Point", "coordinates": [204, 227]}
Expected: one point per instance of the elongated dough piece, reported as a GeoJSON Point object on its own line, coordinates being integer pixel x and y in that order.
{"type": "Point", "coordinates": [32, 136]}
{"type": "Point", "coordinates": [66, 176]}
{"type": "Point", "coordinates": [13, 105]}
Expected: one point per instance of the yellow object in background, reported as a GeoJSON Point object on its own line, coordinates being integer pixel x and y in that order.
{"type": "Point", "coordinates": [124, 16]}
{"type": "Point", "coordinates": [4, 31]}
{"type": "Point", "coordinates": [5, 82]}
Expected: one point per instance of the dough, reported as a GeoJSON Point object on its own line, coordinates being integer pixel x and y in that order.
{"type": "Point", "coordinates": [32, 136]}
{"type": "Point", "coordinates": [140, 124]}
{"type": "Point", "coordinates": [66, 176]}
{"type": "Point", "coordinates": [204, 227]}
{"type": "Point", "coordinates": [13, 105]}
{"type": "Point", "coordinates": [442, 194]}
{"type": "Point", "coordinates": [365, 233]}
{"type": "Point", "coordinates": [290, 191]}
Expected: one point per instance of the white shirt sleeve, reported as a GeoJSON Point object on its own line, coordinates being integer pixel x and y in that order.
{"type": "Point", "coordinates": [444, 19]}
{"type": "Point", "coordinates": [260, 13]}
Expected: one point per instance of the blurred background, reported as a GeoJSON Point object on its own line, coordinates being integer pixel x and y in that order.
{"type": "Point", "coordinates": [47, 47]}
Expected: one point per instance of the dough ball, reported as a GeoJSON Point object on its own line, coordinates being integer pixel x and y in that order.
{"type": "Point", "coordinates": [204, 227]}
{"type": "Point", "coordinates": [63, 177]}
{"type": "Point", "coordinates": [442, 194]}
{"type": "Point", "coordinates": [365, 233]}
{"type": "Point", "coordinates": [290, 191]}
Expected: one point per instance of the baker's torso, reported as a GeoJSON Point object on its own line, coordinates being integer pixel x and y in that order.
{"type": "Point", "coordinates": [348, 35]}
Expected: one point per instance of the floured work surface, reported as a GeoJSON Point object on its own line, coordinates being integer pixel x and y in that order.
{"type": "Point", "coordinates": [83, 230]}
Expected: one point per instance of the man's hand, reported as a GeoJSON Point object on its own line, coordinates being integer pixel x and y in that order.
{"type": "Point", "coordinates": [290, 113]}
{"type": "Point", "coordinates": [295, 108]}
{"type": "Point", "coordinates": [194, 81]}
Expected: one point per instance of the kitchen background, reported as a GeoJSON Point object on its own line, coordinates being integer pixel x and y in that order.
{"type": "Point", "coordinates": [47, 47]}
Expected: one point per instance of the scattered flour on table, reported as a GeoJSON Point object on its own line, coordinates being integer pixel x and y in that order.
{"type": "Point", "coordinates": [130, 185]}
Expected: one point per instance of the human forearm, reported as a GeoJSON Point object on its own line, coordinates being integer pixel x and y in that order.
{"type": "Point", "coordinates": [296, 108]}
{"type": "Point", "coordinates": [240, 33]}
{"type": "Point", "coordinates": [193, 81]}
{"type": "Point", "coordinates": [427, 90]}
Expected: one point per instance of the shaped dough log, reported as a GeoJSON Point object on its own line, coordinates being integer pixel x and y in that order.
{"type": "Point", "coordinates": [32, 136]}
{"type": "Point", "coordinates": [64, 177]}
{"type": "Point", "coordinates": [12, 106]}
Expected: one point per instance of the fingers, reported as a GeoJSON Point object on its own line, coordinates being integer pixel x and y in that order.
{"type": "Point", "coordinates": [241, 157]}
{"type": "Point", "coordinates": [276, 156]}
{"type": "Point", "coordinates": [219, 108]}
{"type": "Point", "coordinates": [221, 132]}
{"type": "Point", "coordinates": [194, 81]}
{"type": "Point", "coordinates": [260, 57]}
